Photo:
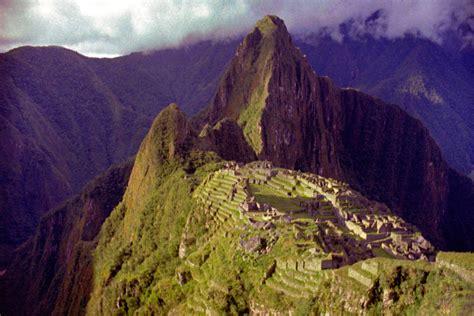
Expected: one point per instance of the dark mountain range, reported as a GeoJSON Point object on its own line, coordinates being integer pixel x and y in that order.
{"type": "Point", "coordinates": [65, 118]}
{"type": "Point", "coordinates": [51, 274]}
{"type": "Point", "coordinates": [269, 105]}
{"type": "Point", "coordinates": [433, 83]}
{"type": "Point", "coordinates": [301, 121]}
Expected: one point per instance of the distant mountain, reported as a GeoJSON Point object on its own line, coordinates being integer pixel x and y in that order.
{"type": "Point", "coordinates": [194, 233]}
{"type": "Point", "coordinates": [52, 273]}
{"type": "Point", "coordinates": [301, 121]}
{"type": "Point", "coordinates": [65, 118]}
{"type": "Point", "coordinates": [432, 82]}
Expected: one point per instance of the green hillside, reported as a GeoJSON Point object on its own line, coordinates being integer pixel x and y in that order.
{"type": "Point", "coordinates": [198, 235]}
{"type": "Point", "coordinates": [66, 118]}
{"type": "Point", "coordinates": [286, 196]}
{"type": "Point", "coordinates": [234, 239]}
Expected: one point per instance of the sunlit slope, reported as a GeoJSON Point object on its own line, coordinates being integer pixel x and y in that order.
{"type": "Point", "coordinates": [233, 238]}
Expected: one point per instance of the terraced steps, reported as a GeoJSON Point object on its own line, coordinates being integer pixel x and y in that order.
{"type": "Point", "coordinates": [316, 224]}
{"type": "Point", "coordinates": [281, 183]}
{"type": "Point", "coordinates": [363, 277]}
{"type": "Point", "coordinates": [222, 190]}
{"type": "Point", "coordinates": [305, 192]}
{"type": "Point", "coordinates": [288, 287]}
{"type": "Point", "coordinates": [226, 180]}
{"type": "Point", "coordinates": [299, 279]}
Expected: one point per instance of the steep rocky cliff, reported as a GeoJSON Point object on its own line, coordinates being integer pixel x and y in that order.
{"type": "Point", "coordinates": [298, 120]}
{"type": "Point", "coordinates": [431, 81]}
{"type": "Point", "coordinates": [226, 139]}
{"type": "Point", "coordinates": [458, 225]}
{"type": "Point", "coordinates": [391, 157]}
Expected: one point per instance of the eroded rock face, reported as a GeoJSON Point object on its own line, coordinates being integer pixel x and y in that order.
{"type": "Point", "coordinates": [293, 117]}
{"type": "Point", "coordinates": [304, 122]}
{"type": "Point", "coordinates": [227, 140]}
{"type": "Point", "coordinates": [458, 225]}
{"type": "Point", "coordinates": [300, 126]}
{"type": "Point", "coordinates": [391, 157]}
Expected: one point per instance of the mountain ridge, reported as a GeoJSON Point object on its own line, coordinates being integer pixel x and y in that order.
{"type": "Point", "coordinates": [46, 158]}
{"type": "Point", "coordinates": [308, 124]}
{"type": "Point", "coordinates": [66, 117]}
{"type": "Point", "coordinates": [412, 73]}
{"type": "Point", "coordinates": [150, 249]}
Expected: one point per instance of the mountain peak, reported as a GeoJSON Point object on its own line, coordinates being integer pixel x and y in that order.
{"type": "Point", "coordinates": [167, 134]}
{"type": "Point", "coordinates": [271, 33]}
{"type": "Point", "coordinates": [268, 80]}
{"type": "Point", "coordinates": [271, 24]}
{"type": "Point", "coordinates": [243, 91]}
{"type": "Point", "coordinates": [167, 141]}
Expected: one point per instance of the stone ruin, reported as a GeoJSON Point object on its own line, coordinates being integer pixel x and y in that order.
{"type": "Point", "coordinates": [331, 206]}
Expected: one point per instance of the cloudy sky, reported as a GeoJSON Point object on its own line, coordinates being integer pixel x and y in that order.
{"type": "Point", "coordinates": [116, 27]}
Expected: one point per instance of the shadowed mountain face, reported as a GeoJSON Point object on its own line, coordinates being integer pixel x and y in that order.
{"type": "Point", "coordinates": [269, 105]}
{"type": "Point", "coordinates": [301, 121]}
{"type": "Point", "coordinates": [51, 274]}
{"type": "Point", "coordinates": [431, 82]}
{"type": "Point", "coordinates": [64, 118]}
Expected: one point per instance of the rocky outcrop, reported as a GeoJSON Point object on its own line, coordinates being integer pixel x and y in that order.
{"type": "Point", "coordinates": [273, 94]}
{"type": "Point", "coordinates": [227, 140]}
{"type": "Point", "coordinates": [302, 121]}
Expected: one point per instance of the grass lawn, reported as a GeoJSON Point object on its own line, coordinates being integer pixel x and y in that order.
{"type": "Point", "coordinates": [379, 252]}
{"type": "Point", "coordinates": [276, 198]}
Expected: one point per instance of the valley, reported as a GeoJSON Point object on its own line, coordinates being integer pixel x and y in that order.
{"type": "Point", "coordinates": [284, 195]}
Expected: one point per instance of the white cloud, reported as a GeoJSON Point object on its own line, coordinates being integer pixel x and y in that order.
{"type": "Point", "coordinates": [98, 27]}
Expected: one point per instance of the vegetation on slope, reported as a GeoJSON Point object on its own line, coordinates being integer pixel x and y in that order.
{"type": "Point", "coordinates": [136, 259]}
{"type": "Point", "coordinates": [66, 118]}
{"type": "Point", "coordinates": [261, 50]}
{"type": "Point", "coordinates": [159, 252]}
{"type": "Point", "coordinates": [51, 274]}
{"type": "Point", "coordinates": [174, 255]}
{"type": "Point", "coordinates": [243, 97]}
{"type": "Point", "coordinates": [139, 241]}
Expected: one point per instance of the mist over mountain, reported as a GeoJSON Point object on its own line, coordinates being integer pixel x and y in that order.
{"type": "Point", "coordinates": [120, 27]}
{"type": "Point", "coordinates": [207, 172]}
{"type": "Point", "coordinates": [334, 201]}
{"type": "Point", "coordinates": [431, 82]}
